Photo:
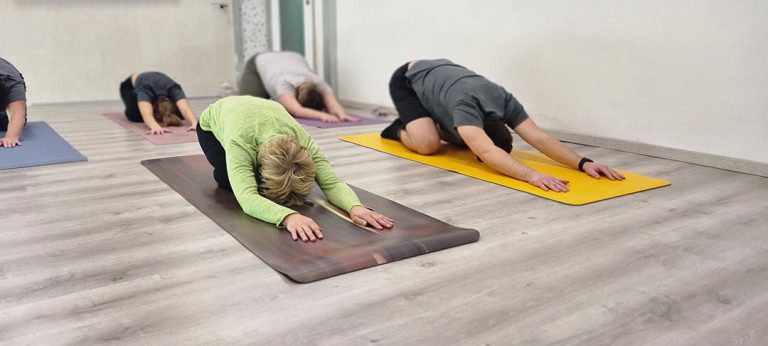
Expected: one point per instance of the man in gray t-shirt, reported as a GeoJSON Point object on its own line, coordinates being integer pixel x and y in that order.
{"type": "Point", "coordinates": [13, 99]}
{"type": "Point", "coordinates": [437, 99]}
{"type": "Point", "coordinates": [455, 96]}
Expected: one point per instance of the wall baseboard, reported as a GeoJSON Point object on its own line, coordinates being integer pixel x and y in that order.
{"type": "Point", "coordinates": [33, 104]}
{"type": "Point", "coordinates": [709, 160]}
{"type": "Point", "coordinates": [704, 159]}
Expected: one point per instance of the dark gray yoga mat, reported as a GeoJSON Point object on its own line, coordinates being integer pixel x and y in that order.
{"type": "Point", "coordinates": [346, 247]}
{"type": "Point", "coordinates": [40, 145]}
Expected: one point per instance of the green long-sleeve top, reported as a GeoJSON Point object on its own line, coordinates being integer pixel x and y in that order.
{"type": "Point", "coordinates": [242, 124]}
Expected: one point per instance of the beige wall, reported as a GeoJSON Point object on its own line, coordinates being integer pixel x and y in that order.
{"type": "Point", "coordinates": [79, 50]}
{"type": "Point", "coordinates": [684, 74]}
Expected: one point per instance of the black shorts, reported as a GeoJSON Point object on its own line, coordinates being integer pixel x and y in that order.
{"type": "Point", "coordinates": [128, 95]}
{"type": "Point", "coordinates": [408, 106]}
{"type": "Point", "coordinates": [3, 121]}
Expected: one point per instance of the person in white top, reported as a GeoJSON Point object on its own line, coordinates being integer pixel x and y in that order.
{"type": "Point", "coordinates": [287, 79]}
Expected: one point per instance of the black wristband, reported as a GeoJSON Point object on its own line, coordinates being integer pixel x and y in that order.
{"type": "Point", "coordinates": [582, 162]}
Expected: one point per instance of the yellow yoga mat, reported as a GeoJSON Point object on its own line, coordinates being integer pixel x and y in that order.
{"type": "Point", "coordinates": [583, 188]}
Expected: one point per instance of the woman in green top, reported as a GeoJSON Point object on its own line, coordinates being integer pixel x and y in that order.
{"type": "Point", "coordinates": [270, 162]}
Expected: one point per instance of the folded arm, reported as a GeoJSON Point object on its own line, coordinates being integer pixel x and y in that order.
{"type": "Point", "coordinates": [341, 195]}
{"type": "Point", "coordinates": [293, 106]}
{"type": "Point", "coordinates": [18, 116]}
{"type": "Point", "coordinates": [146, 111]}
{"type": "Point", "coordinates": [187, 113]}
{"type": "Point", "coordinates": [335, 108]}
{"type": "Point", "coordinates": [493, 156]}
{"type": "Point", "coordinates": [556, 150]}
{"type": "Point", "coordinates": [240, 167]}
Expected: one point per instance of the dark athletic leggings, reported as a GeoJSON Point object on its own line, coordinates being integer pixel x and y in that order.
{"type": "Point", "coordinates": [130, 100]}
{"type": "Point", "coordinates": [250, 81]}
{"type": "Point", "coordinates": [216, 156]}
{"type": "Point", "coordinates": [3, 121]}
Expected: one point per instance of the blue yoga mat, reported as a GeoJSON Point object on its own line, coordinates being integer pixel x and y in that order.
{"type": "Point", "coordinates": [40, 145]}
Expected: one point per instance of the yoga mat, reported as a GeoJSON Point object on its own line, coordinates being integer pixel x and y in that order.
{"type": "Point", "coordinates": [40, 145]}
{"type": "Point", "coordinates": [324, 125]}
{"type": "Point", "coordinates": [178, 134]}
{"type": "Point", "coordinates": [346, 247]}
{"type": "Point", "coordinates": [583, 188]}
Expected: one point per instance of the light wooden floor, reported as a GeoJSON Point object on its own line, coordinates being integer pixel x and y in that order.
{"type": "Point", "coordinates": [102, 251]}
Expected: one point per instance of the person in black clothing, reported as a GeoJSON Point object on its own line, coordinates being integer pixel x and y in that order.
{"type": "Point", "coordinates": [156, 100]}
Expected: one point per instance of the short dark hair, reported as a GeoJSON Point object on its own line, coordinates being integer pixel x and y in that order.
{"type": "Point", "coordinates": [309, 96]}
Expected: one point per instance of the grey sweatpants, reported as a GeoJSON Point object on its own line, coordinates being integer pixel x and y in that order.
{"type": "Point", "coordinates": [250, 81]}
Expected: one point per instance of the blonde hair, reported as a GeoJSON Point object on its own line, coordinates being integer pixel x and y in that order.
{"type": "Point", "coordinates": [163, 112]}
{"type": "Point", "coordinates": [287, 171]}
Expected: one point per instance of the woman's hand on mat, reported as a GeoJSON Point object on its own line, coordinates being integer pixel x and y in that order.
{"type": "Point", "coordinates": [158, 131]}
{"type": "Point", "coordinates": [192, 127]}
{"type": "Point", "coordinates": [339, 112]}
{"type": "Point", "coordinates": [302, 227]}
{"type": "Point", "coordinates": [348, 118]}
{"type": "Point", "coordinates": [329, 118]}
{"type": "Point", "coordinates": [547, 182]}
{"type": "Point", "coordinates": [595, 170]}
{"type": "Point", "coordinates": [366, 217]}
{"type": "Point", "coordinates": [343, 115]}
{"type": "Point", "coordinates": [9, 142]}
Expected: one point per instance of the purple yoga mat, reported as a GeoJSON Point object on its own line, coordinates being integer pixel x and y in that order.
{"type": "Point", "coordinates": [324, 125]}
{"type": "Point", "coordinates": [179, 134]}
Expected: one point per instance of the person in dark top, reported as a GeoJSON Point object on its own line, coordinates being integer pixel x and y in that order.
{"type": "Point", "coordinates": [156, 100]}
{"type": "Point", "coordinates": [438, 99]}
{"type": "Point", "coordinates": [13, 100]}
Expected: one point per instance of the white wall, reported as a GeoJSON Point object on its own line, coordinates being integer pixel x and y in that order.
{"type": "Point", "coordinates": [255, 27]}
{"type": "Point", "coordinates": [684, 74]}
{"type": "Point", "coordinates": [80, 50]}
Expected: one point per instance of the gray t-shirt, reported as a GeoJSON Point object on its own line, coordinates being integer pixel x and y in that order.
{"type": "Point", "coordinates": [12, 86]}
{"type": "Point", "coordinates": [283, 72]}
{"type": "Point", "coordinates": [456, 96]}
{"type": "Point", "coordinates": [151, 85]}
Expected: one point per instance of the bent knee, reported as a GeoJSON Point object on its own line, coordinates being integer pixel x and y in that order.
{"type": "Point", "coordinates": [427, 147]}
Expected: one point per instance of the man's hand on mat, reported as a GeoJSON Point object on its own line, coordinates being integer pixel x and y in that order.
{"type": "Point", "coordinates": [328, 118]}
{"type": "Point", "coordinates": [302, 227]}
{"type": "Point", "coordinates": [595, 170]}
{"type": "Point", "coordinates": [158, 131]}
{"type": "Point", "coordinates": [9, 142]}
{"type": "Point", "coordinates": [366, 217]}
{"type": "Point", "coordinates": [547, 182]}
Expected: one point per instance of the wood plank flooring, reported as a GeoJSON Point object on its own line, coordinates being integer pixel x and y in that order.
{"type": "Point", "coordinates": [102, 251]}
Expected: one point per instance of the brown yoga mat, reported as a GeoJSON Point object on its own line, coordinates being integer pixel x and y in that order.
{"type": "Point", "coordinates": [346, 247]}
